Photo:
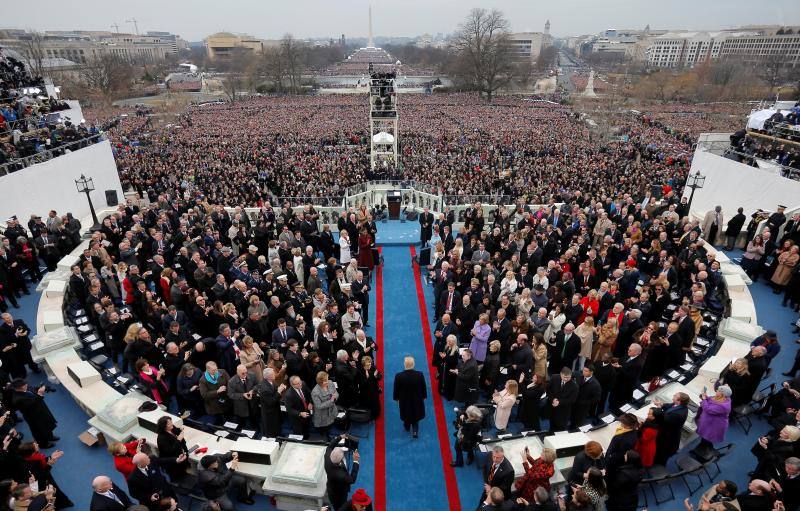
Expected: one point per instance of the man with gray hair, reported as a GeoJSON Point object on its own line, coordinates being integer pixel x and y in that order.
{"type": "Point", "coordinates": [339, 478]}
{"type": "Point", "coordinates": [108, 496]}
{"type": "Point", "coordinates": [269, 395]}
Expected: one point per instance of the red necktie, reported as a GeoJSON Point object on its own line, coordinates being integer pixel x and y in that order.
{"type": "Point", "coordinates": [450, 301]}
{"type": "Point", "coordinates": [303, 399]}
{"type": "Point", "coordinates": [491, 474]}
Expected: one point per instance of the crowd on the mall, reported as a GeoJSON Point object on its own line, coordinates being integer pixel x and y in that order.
{"type": "Point", "coordinates": [317, 146]}
{"type": "Point", "coordinates": [29, 120]}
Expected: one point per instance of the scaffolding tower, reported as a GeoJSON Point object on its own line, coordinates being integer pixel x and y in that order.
{"type": "Point", "coordinates": [383, 120]}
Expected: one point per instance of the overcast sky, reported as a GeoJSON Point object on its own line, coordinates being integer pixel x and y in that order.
{"type": "Point", "coordinates": [269, 19]}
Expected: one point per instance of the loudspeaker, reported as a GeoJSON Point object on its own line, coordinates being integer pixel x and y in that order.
{"type": "Point", "coordinates": [111, 198]}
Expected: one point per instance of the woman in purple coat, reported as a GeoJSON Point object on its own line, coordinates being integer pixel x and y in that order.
{"type": "Point", "coordinates": [480, 337]}
{"type": "Point", "coordinates": [713, 420]}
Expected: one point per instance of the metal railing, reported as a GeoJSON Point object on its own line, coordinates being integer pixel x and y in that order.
{"type": "Point", "coordinates": [461, 200]}
{"type": "Point", "coordinates": [332, 201]}
{"type": "Point", "coordinates": [48, 154]}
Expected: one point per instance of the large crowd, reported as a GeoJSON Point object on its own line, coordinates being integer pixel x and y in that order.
{"type": "Point", "coordinates": [248, 151]}
{"type": "Point", "coordinates": [29, 120]}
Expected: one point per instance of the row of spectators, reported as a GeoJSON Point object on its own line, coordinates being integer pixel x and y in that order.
{"type": "Point", "coordinates": [29, 123]}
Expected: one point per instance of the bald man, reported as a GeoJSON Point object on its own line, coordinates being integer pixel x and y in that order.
{"type": "Point", "coordinates": [108, 496]}
{"type": "Point", "coordinates": [146, 483]}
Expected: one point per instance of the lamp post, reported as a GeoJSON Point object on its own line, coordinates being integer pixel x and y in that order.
{"type": "Point", "coordinates": [694, 181]}
{"type": "Point", "coordinates": [86, 185]}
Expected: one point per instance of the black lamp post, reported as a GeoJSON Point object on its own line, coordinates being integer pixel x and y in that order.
{"type": "Point", "coordinates": [694, 181]}
{"type": "Point", "coordinates": [86, 185]}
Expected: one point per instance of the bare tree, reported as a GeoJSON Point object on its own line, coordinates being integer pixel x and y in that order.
{"type": "Point", "coordinates": [107, 76]}
{"type": "Point", "coordinates": [274, 67]}
{"type": "Point", "coordinates": [35, 54]}
{"type": "Point", "coordinates": [773, 69]}
{"type": "Point", "coordinates": [293, 54]}
{"type": "Point", "coordinates": [482, 42]}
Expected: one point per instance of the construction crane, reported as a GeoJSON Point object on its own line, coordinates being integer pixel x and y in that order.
{"type": "Point", "coordinates": [115, 26]}
{"type": "Point", "coordinates": [135, 24]}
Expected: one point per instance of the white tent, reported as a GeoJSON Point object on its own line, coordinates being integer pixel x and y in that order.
{"type": "Point", "coordinates": [383, 138]}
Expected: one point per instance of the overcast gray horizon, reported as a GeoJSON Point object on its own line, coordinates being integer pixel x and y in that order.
{"type": "Point", "coordinates": [195, 19]}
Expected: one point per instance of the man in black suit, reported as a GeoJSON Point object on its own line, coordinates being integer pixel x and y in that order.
{"type": "Point", "coordinates": [589, 392]}
{"type": "Point", "coordinates": [78, 284]}
{"type": "Point", "coordinates": [215, 479]}
{"type": "Point", "coordinates": [449, 301]}
{"type": "Point", "coordinates": [757, 497]}
{"type": "Point", "coordinates": [441, 280]}
{"type": "Point", "coordinates": [16, 346]}
{"type": "Point", "coordinates": [521, 358]}
{"type": "Point", "coordinates": [669, 432]}
{"type": "Point", "coordinates": [606, 374]}
{"type": "Point", "coordinates": [566, 348]}
{"type": "Point", "coordinates": [360, 289]}
{"type": "Point", "coordinates": [173, 314]}
{"type": "Point", "coordinates": [467, 376]}
{"type": "Point", "coordinates": [108, 496]}
{"type": "Point", "coordinates": [425, 226]}
{"type": "Point", "coordinates": [497, 474]}
{"type": "Point", "coordinates": [410, 392]}
{"type": "Point", "coordinates": [35, 412]}
{"type": "Point", "coordinates": [562, 392]}
{"type": "Point", "coordinates": [282, 334]}
{"type": "Point", "coordinates": [146, 483]}
{"type": "Point", "coordinates": [339, 478]}
{"type": "Point", "coordinates": [444, 327]}
{"type": "Point", "coordinates": [628, 377]}
{"type": "Point", "coordinates": [298, 406]}
{"type": "Point", "coordinates": [269, 395]}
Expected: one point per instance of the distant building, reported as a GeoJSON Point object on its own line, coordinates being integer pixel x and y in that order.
{"type": "Point", "coordinates": [223, 44]}
{"type": "Point", "coordinates": [82, 47]}
{"type": "Point", "coordinates": [753, 45]}
{"type": "Point", "coordinates": [528, 45]}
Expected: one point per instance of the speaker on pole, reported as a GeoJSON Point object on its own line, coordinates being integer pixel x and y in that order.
{"type": "Point", "coordinates": [111, 198]}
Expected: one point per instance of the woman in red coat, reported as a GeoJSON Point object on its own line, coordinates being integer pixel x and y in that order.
{"type": "Point", "coordinates": [537, 473]}
{"type": "Point", "coordinates": [365, 245]}
{"type": "Point", "coordinates": [123, 455]}
{"type": "Point", "coordinates": [591, 306]}
{"type": "Point", "coordinates": [648, 432]}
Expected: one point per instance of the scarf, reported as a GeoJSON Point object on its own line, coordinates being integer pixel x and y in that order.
{"type": "Point", "coordinates": [154, 385]}
{"type": "Point", "coordinates": [211, 379]}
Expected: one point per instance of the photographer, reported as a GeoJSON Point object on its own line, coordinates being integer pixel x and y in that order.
{"type": "Point", "coordinates": [35, 412]}
{"type": "Point", "coordinates": [215, 479]}
{"type": "Point", "coordinates": [339, 478]}
{"type": "Point", "coordinates": [467, 436]}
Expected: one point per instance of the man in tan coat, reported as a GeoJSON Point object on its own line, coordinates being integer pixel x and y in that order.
{"type": "Point", "coordinates": [712, 225]}
{"type": "Point", "coordinates": [603, 224]}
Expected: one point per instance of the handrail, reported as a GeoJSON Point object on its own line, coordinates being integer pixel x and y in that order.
{"type": "Point", "coordinates": [48, 154]}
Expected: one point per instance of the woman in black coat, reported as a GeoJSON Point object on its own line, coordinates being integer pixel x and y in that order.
{"type": "Point", "coordinates": [590, 457]}
{"type": "Point", "coordinates": [772, 451]}
{"type": "Point", "coordinates": [447, 360]}
{"type": "Point", "coordinates": [369, 390]}
{"type": "Point", "coordinates": [623, 483]}
{"type": "Point", "coordinates": [490, 372]}
{"type": "Point", "coordinates": [624, 440]}
{"type": "Point", "coordinates": [530, 406]}
{"type": "Point", "coordinates": [738, 378]}
{"type": "Point", "coordinates": [465, 318]}
{"type": "Point", "coordinates": [172, 451]}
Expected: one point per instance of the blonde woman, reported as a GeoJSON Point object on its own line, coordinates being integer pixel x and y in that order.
{"type": "Point", "coordinates": [508, 286]}
{"type": "Point", "coordinates": [525, 303]}
{"type": "Point", "coordinates": [297, 261]}
{"type": "Point", "coordinates": [737, 377]}
{"type": "Point", "coordinates": [504, 402]}
{"type": "Point", "coordinates": [606, 337]}
{"type": "Point", "coordinates": [130, 336]}
{"type": "Point", "coordinates": [252, 357]}
{"type": "Point", "coordinates": [585, 332]}
{"type": "Point", "coordinates": [539, 350]}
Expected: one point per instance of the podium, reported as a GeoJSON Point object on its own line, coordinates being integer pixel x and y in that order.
{"type": "Point", "coordinates": [394, 199]}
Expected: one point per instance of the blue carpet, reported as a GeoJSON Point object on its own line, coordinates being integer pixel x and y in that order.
{"type": "Point", "coordinates": [408, 462]}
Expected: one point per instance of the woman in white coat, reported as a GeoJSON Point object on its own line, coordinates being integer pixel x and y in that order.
{"type": "Point", "coordinates": [344, 248]}
{"type": "Point", "coordinates": [504, 401]}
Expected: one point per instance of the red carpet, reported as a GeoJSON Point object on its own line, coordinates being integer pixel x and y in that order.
{"type": "Point", "coordinates": [379, 499]}
{"type": "Point", "coordinates": [438, 406]}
